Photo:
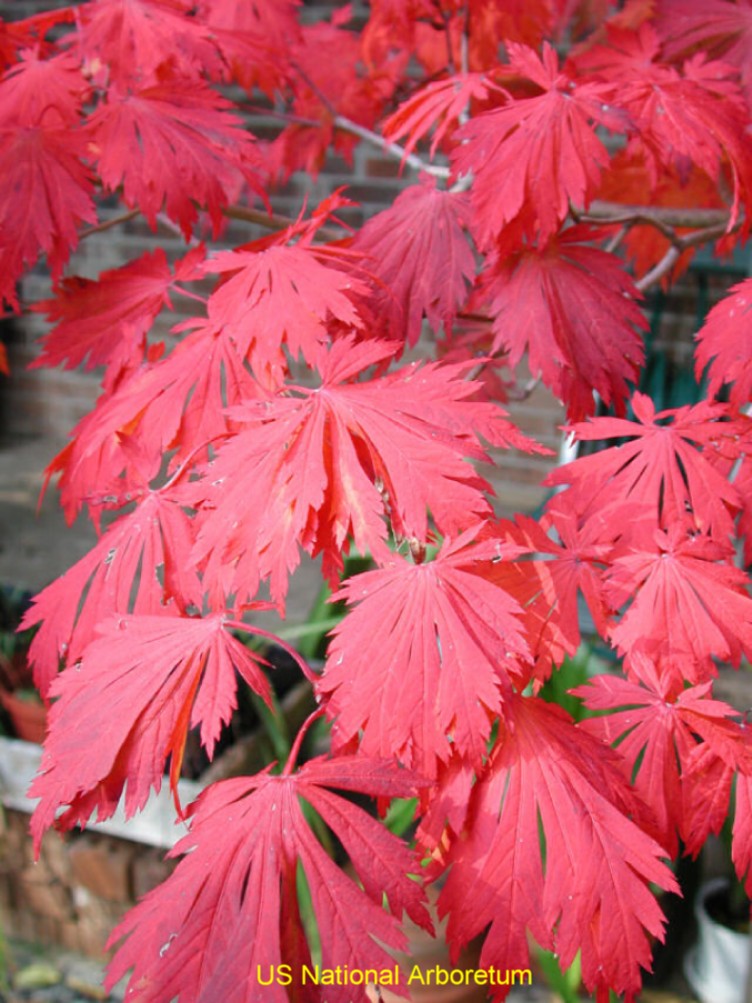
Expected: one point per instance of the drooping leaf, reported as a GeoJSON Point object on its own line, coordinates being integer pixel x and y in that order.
{"type": "Point", "coordinates": [177, 403]}
{"type": "Point", "coordinates": [534, 156]}
{"type": "Point", "coordinates": [254, 39]}
{"type": "Point", "coordinates": [314, 469]}
{"type": "Point", "coordinates": [439, 104]}
{"type": "Point", "coordinates": [419, 668]}
{"type": "Point", "coordinates": [46, 194]}
{"type": "Point", "coordinates": [687, 600]}
{"type": "Point", "coordinates": [658, 726]}
{"type": "Point", "coordinates": [696, 114]}
{"type": "Point", "coordinates": [103, 322]}
{"type": "Point", "coordinates": [419, 249]}
{"type": "Point", "coordinates": [721, 27]}
{"type": "Point", "coordinates": [132, 39]}
{"type": "Point", "coordinates": [724, 343]}
{"type": "Point", "coordinates": [229, 894]}
{"type": "Point", "coordinates": [547, 579]}
{"type": "Point", "coordinates": [664, 466]}
{"type": "Point", "coordinates": [154, 676]}
{"type": "Point", "coordinates": [284, 295]}
{"type": "Point", "coordinates": [147, 549]}
{"type": "Point", "coordinates": [35, 88]}
{"type": "Point", "coordinates": [741, 846]}
{"type": "Point", "coordinates": [171, 146]}
{"type": "Point", "coordinates": [574, 310]}
{"type": "Point", "coordinates": [552, 846]}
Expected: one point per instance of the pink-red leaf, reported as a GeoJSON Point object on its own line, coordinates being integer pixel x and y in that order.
{"type": "Point", "coordinates": [46, 194]}
{"type": "Point", "coordinates": [133, 38]}
{"type": "Point", "coordinates": [103, 322]}
{"type": "Point", "coordinates": [313, 469]}
{"type": "Point", "coordinates": [688, 602]}
{"type": "Point", "coordinates": [154, 677]}
{"type": "Point", "coordinates": [420, 666]}
{"type": "Point", "coordinates": [172, 146]}
{"type": "Point", "coordinates": [548, 783]}
{"type": "Point", "coordinates": [217, 924]}
{"type": "Point", "coordinates": [284, 295]}
{"type": "Point", "coordinates": [534, 156]}
{"type": "Point", "coordinates": [659, 728]}
{"type": "Point", "coordinates": [156, 537]}
{"type": "Point", "coordinates": [440, 104]}
{"type": "Point", "coordinates": [574, 310]}
{"type": "Point", "coordinates": [419, 249]}
{"type": "Point", "coordinates": [663, 466]}
{"type": "Point", "coordinates": [724, 342]}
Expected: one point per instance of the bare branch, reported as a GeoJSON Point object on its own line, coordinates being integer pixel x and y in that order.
{"type": "Point", "coordinates": [369, 136]}
{"type": "Point", "coordinates": [659, 216]}
{"type": "Point", "coordinates": [108, 224]}
{"type": "Point", "coordinates": [274, 221]}
{"type": "Point", "coordinates": [658, 271]}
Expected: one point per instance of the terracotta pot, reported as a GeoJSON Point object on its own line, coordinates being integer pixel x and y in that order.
{"type": "Point", "coordinates": [28, 717]}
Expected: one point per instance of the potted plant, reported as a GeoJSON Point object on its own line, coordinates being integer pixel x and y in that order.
{"type": "Point", "coordinates": [717, 967]}
{"type": "Point", "coordinates": [282, 421]}
{"type": "Point", "coordinates": [18, 694]}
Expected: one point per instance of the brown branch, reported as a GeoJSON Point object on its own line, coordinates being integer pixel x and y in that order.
{"type": "Point", "coordinates": [108, 224]}
{"type": "Point", "coordinates": [658, 271]}
{"type": "Point", "coordinates": [275, 221]}
{"type": "Point", "coordinates": [658, 216]}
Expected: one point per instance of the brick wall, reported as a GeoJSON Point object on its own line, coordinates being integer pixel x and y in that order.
{"type": "Point", "coordinates": [79, 889]}
{"type": "Point", "coordinates": [48, 403]}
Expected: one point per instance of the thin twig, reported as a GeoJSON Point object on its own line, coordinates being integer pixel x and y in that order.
{"type": "Point", "coordinates": [369, 136]}
{"type": "Point", "coordinates": [108, 224]}
{"type": "Point", "coordinates": [658, 271]}
{"type": "Point", "coordinates": [659, 216]}
{"type": "Point", "coordinates": [274, 221]}
{"type": "Point", "coordinates": [393, 149]}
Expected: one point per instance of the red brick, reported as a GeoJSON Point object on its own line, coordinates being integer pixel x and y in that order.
{"type": "Point", "coordinates": [150, 868]}
{"type": "Point", "coordinates": [102, 866]}
{"type": "Point", "coordinates": [40, 894]}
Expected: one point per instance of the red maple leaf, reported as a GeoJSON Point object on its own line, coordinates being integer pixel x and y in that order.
{"type": "Point", "coordinates": [104, 322]}
{"type": "Point", "coordinates": [171, 146]}
{"type": "Point", "coordinates": [178, 402]}
{"type": "Point", "coordinates": [660, 728]}
{"type": "Point", "coordinates": [37, 88]}
{"type": "Point", "coordinates": [313, 469]}
{"type": "Point", "coordinates": [547, 578]}
{"type": "Point", "coordinates": [687, 600]}
{"type": "Point", "coordinates": [254, 39]}
{"type": "Point", "coordinates": [665, 467]}
{"type": "Point", "coordinates": [574, 310]}
{"type": "Point", "coordinates": [158, 676]}
{"type": "Point", "coordinates": [741, 845]}
{"type": "Point", "coordinates": [419, 249]}
{"type": "Point", "coordinates": [724, 343]}
{"type": "Point", "coordinates": [46, 193]}
{"type": "Point", "coordinates": [434, 690]}
{"type": "Point", "coordinates": [231, 909]}
{"type": "Point", "coordinates": [284, 294]}
{"type": "Point", "coordinates": [157, 534]}
{"type": "Point", "coordinates": [548, 783]}
{"type": "Point", "coordinates": [132, 39]}
{"type": "Point", "coordinates": [536, 155]}
{"type": "Point", "coordinates": [721, 28]}
{"type": "Point", "coordinates": [696, 114]}
{"type": "Point", "coordinates": [439, 104]}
